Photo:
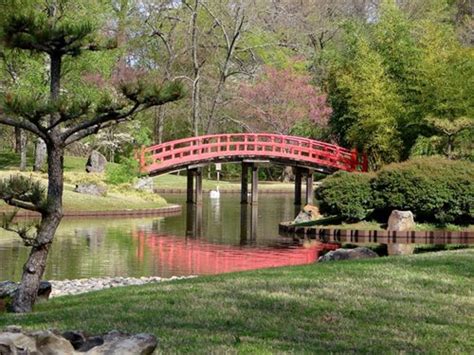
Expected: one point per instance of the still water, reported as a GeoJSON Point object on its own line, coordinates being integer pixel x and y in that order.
{"type": "Point", "coordinates": [220, 237]}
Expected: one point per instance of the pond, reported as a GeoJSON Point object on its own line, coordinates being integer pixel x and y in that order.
{"type": "Point", "coordinates": [222, 236]}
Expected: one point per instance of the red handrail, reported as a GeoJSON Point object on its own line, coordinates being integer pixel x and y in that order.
{"type": "Point", "coordinates": [180, 153]}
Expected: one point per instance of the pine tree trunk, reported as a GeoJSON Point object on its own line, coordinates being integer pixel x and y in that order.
{"type": "Point", "coordinates": [34, 268]}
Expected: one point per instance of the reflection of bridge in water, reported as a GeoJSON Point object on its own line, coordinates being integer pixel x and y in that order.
{"type": "Point", "coordinates": [194, 255]}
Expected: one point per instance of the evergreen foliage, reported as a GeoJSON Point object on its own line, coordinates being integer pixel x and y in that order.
{"type": "Point", "coordinates": [435, 189]}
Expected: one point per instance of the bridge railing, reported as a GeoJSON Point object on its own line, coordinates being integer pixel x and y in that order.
{"type": "Point", "coordinates": [165, 156]}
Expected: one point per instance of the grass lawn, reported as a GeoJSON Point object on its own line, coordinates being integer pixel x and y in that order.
{"type": "Point", "coordinates": [171, 181]}
{"type": "Point", "coordinates": [118, 198]}
{"type": "Point", "coordinates": [418, 303]}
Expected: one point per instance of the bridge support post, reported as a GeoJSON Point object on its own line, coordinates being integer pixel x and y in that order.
{"type": "Point", "coordinates": [198, 191]}
{"type": "Point", "coordinates": [254, 184]}
{"type": "Point", "coordinates": [190, 186]}
{"type": "Point", "coordinates": [297, 186]}
{"type": "Point", "coordinates": [244, 184]}
{"type": "Point", "coordinates": [309, 187]}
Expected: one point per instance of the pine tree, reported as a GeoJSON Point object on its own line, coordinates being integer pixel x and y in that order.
{"type": "Point", "coordinates": [61, 31]}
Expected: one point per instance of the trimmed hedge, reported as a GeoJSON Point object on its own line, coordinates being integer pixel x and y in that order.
{"type": "Point", "coordinates": [348, 195]}
{"type": "Point", "coordinates": [434, 189]}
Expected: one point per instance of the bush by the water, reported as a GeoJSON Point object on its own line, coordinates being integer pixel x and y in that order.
{"type": "Point", "coordinates": [434, 189]}
{"type": "Point", "coordinates": [348, 195]}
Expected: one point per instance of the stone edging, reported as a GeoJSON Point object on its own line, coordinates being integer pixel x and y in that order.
{"type": "Point", "coordinates": [79, 286]}
{"type": "Point", "coordinates": [378, 236]}
{"type": "Point", "coordinates": [161, 211]}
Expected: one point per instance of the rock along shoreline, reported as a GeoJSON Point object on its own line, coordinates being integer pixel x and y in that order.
{"type": "Point", "coordinates": [79, 286]}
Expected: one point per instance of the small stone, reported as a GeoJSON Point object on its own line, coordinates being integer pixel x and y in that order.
{"type": "Point", "coordinates": [145, 184]}
{"type": "Point", "coordinates": [91, 189]}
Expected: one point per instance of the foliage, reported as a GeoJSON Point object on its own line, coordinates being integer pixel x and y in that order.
{"type": "Point", "coordinates": [124, 172]}
{"type": "Point", "coordinates": [348, 195]}
{"type": "Point", "coordinates": [281, 98]}
{"type": "Point", "coordinates": [434, 189]}
{"type": "Point", "coordinates": [373, 104]}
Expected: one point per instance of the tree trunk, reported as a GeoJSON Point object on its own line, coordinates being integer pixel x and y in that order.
{"type": "Point", "coordinates": [34, 268]}
{"type": "Point", "coordinates": [23, 144]}
{"type": "Point", "coordinates": [159, 123]}
{"type": "Point", "coordinates": [196, 94]}
{"type": "Point", "coordinates": [18, 140]}
{"type": "Point", "coordinates": [40, 155]}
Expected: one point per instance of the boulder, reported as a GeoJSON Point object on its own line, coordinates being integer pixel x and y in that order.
{"type": "Point", "coordinates": [119, 343]}
{"type": "Point", "coordinates": [309, 213]}
{"type": "Point", "coordinates": [401, 221]}
{"type": "Point", "coordinates": [348, 254]}
{"type": "Point", "coordinates": [17, 343]}
{"type": "Point", "coordinates": [96, 162]}
{"type": "Point", "coordinates": [313, 211]}
{"type": "Point", "coordinates": [145, 184]}
{"type": "Point", "coordinates": [91, 189]}
{"type": "Point", "coordinates": [50, 342]}
{"type": "Point", "coordinates": [8, 289]}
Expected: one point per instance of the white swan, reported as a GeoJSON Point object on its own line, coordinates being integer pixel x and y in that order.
{"type": "Point", "coordinates": [215, 193]}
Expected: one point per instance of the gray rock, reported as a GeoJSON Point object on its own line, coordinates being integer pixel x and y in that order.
{"type": "Point", "coordinates": [50, 343]}
{"type": "Point", "coordinates": [145, 184]}
{"type": "Point", "coordinates": [77, 339]}
{"type": "Point", "coordinates": [96, 162]}
{"type": "Point", "coordinates": [8, 290]}
{"type": "Point", "coordinates": [17, 343]}
{"type": "Point", "coordinates": [348, 254]}
{"type": "Point", "coordinates": [303, 216]}
{"type": "Point", "coordinates": [91, 189]}
{"type": "Point", "coordinates": [401, 221]}
{"type": "Point", "coordinates": [119, 343]}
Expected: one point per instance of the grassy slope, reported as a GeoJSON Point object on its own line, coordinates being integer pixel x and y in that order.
{"type": "Point", "coordinates": [116, 199]}
{"type": "Point", "coordinates": [421, 303]}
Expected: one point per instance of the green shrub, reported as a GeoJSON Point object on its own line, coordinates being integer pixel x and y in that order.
{"type": "Point", "coordinates": [348, 195]}
{"type": "Point", "coordinates": [122, 173]}
{"type": "Point", "coordinates": [434, 189]}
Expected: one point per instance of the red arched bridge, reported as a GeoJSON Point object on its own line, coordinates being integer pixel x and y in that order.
{"type": "Point", "coordinates": [304, 154]}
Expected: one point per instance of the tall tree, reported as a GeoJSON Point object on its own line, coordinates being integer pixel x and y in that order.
{"type": "Point", "coordinates": [61, 31]}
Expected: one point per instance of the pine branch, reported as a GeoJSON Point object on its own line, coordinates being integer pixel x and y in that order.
{"type": "Point", "coordinates": [24, 124]}
{"type": "Point", "coordinates": [21, 230]}
{"type": "Point", "coordinates": [20, 192]}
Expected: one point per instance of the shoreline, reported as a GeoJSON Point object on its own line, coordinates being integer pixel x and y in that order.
{"type": "Point", "coordinates": [60, 288]}
{"type": "Point", "coordinates": [170, 209]}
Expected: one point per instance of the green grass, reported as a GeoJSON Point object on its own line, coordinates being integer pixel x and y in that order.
{"type": "Point", "coordinates": [11, 161]}
{"type": "Point", "coordinates": [418, 303]}
{"type": "Point", "coordinates": [118, 197]}
{"type": "Point", "coordinates": [171, 181]}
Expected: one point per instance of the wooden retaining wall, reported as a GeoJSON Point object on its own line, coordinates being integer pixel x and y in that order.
{"type": "Point", "coordinates": [378, 236]}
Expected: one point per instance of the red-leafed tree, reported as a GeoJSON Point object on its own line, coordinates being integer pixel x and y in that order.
{"type": "Point", "coordinates": [281, 98]}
